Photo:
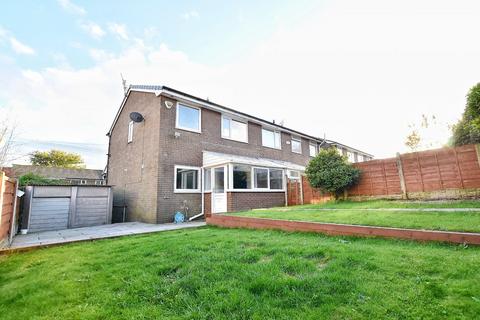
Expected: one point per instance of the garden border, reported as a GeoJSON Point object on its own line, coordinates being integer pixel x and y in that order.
{"type": "Point", "coordinates": [336, 229]}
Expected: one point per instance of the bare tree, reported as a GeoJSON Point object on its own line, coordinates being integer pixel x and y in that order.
{"type": "Point", "coordinates": [8, 144]}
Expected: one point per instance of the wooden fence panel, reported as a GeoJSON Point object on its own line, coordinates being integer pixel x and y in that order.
{"type": "Point", "coordinates": [293, 192]}
{"type": "Point", "coordinates": [430, 171]}
{"type": "Point", "coordinates": [313, 195]}
{"type": "Point", "coordinates": [7, 200]}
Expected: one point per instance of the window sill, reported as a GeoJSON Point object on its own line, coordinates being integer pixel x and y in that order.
{"type": "Point", "coordinates": [189, 130]}
{"type": "Point", "coordinates": [241, 141]}
{"type": "Point", "coordinates": [186, 191]}
{"type": "Point", "coordinates": [256, 190]}
{"type": "Point", "coordinates": [273, 148]}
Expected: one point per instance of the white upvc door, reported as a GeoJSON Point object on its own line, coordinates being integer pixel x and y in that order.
{"type": "Point", "coordinates": [219, 189]}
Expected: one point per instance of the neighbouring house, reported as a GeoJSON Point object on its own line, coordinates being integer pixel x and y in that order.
{"type": "Point", "coordinates": [180, 151]}
{"type": "Point", "coordinates": [67, 175]}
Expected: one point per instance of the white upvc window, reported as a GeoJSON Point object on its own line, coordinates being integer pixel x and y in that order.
{"type": "Point", "coordinates": [271, 138]}
{"type": "Point", "coordinates": [188, 118]}
{"type": "Point", "coordinates": [242, 177]}
{"type": "Point", "coordinates": [187, 179]}
{"type": "Point", "coordinates": [257, 179]}
{"type": "Point", "coordinates": [207, 179]}
{"type": "Point", "coordinates": [351, 156]}
{"type": "Point", "coordinates": [313, 149]}
{"type": "Point", "coordinates": [260, 178]}
{"type": "Point", "coordinates": [275, 179]}
{"type": "Point", "coordinates": [234, 129]}
{"type": "Point", "coordinates": [293, 174]}
{"type": "Point", "coordinates": [130, 132]}
{"type": "Point", "coordinates": [296, 145]}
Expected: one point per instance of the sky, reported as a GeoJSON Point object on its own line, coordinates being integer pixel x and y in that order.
{"type": "Point", "coordinates": [358, 72]}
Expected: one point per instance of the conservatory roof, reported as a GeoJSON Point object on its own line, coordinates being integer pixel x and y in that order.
{"type": "Point", "coordinates": [211, 159]}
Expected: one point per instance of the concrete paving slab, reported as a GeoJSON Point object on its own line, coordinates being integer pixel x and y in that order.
{"type": "Point", "coordinates": [42, 239]}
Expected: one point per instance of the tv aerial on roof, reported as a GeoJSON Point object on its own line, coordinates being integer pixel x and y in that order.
{"type": "Point", "coordinates": [136, 117]}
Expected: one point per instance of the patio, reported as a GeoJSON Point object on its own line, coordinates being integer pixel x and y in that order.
{"type": "Point", "coordinates": [47, 238]}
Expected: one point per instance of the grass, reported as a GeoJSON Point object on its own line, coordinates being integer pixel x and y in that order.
{"type": "Point", "coordinates": [355, 213]}
{"type": "Point", "coordinates": [211, 273]}
{"type": "Point", "coordinates": [375, 204]}
{"type": "Point", "coordinates": [431, 220]}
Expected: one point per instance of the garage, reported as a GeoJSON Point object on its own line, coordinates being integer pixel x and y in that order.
{"type": "Point", "coordinates": [48, 208]}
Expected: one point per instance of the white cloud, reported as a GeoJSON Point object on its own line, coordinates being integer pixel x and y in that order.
{"type": "Point", "coordinates": [192, 14]}
{"type": "Point", "coordinates": [358, 73]}
{"type": "Point", "coordinates": [19, 47]}
{"type": "Point", "coordinates": [69, 6]}
{"type": "Point", "coordinates": [120, 30]}
{"type": "Point", "coordinates": [15, 44]}
{"type": "Point", "coordinates": [93, 29]}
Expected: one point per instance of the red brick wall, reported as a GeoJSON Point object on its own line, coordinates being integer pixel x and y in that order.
{"type": "Point", "coordinates": [241, 201]}
{"type": "Point", "coordinates": [207, 203]}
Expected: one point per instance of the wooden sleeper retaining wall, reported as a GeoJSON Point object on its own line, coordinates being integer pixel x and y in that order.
{"type": "Point", "coordinates": [343, 229]}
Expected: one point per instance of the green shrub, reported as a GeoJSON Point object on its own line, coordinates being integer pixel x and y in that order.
{"type": "Point", "coordinates": [467, 130]}
{"type": "Point", "coordinates": [35, 179]}
{"type": "Point", "coordinates": [331, 172]}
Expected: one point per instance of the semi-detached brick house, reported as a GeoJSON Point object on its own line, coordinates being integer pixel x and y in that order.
{"type": "Point", "coordinates": [190, 151]}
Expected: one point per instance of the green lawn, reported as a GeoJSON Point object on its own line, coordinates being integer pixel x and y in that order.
{"type": "Point", "coordinates": [357, 213]}
{"type": "Point", "coordinates": [211, 273]}
{"type": "Point", "coordinates": [396, 204]}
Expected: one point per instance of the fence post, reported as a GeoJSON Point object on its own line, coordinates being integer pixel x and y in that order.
{"type": "Point", "coordinates": [13, 226]}
{"type": "Point", "coordinates": [301, 189]}
{"type": "Point", "coordinates": [458, 167]}
{"type": "Point", "coordinates": [403, 186]}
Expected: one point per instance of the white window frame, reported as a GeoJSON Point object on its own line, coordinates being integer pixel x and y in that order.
{"type": "Point", "coordinates": [130, 132]}
{"type": "Point", "coordinates": [224, 116]}
{"type": "Point", "coordinates": [298, 140]}
{"type": "Point", "coordinates": [204, 180]}
{"type": "Point", "coordinates": [177, 114]}
{"type": "Point", "coordinates": [199, 180]}
{"type": "Point", "coordinates": [351, 156]}
{"type": "Point", "coordinates": [279, 147]}
{"type": "Point", "coordinates": [253, 178]}
{"type": "Point", "coordinates": [252, 182]}
{"type": "Point", "coordinates": [294, 177]}
{"type": "Point", "coordinates": [310, 150]}
{"type": "Point", "coordinates": [283, 179]}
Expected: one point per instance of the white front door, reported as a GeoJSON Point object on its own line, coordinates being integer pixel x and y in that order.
{"type": "Point", "coordinates": [219, 192]}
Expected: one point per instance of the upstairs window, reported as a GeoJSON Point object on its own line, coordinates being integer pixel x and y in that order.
{"type": "Point", "coordinates": [271, 139]}
{"type": "Point", "coordinates": [187, 179]}
{"type": "Point", "coordinates": [351, 156]}
{"type": "Point", "coordinates": [313, 150]}
{"type": "Point", "coordinates": [188, 118]}
{"type": "Point", "coordinates": [234, 130]}
{"type": "Point", "coordinates": [130, 132]}
{"type": "Point", "coordinates": [296, 145]}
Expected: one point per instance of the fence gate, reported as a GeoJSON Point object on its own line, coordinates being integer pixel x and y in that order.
{"type": "Point", "coordinates": [294, 192]}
